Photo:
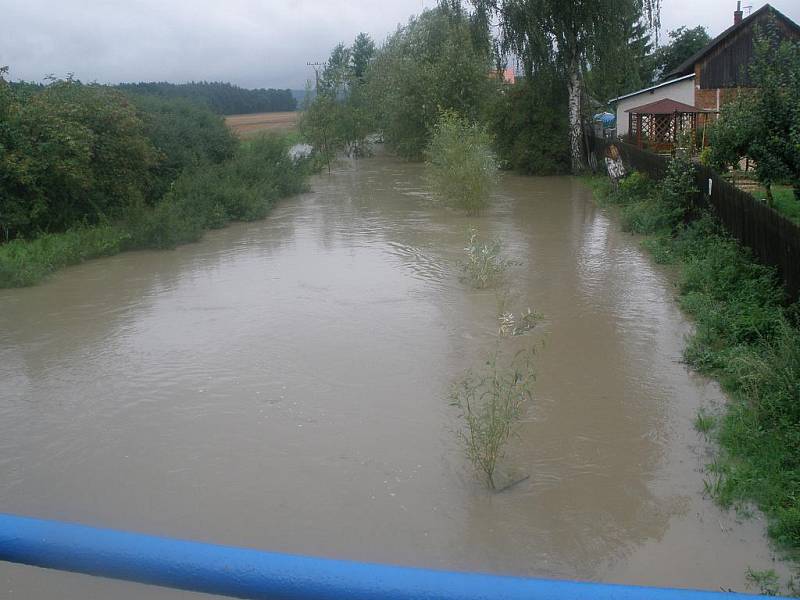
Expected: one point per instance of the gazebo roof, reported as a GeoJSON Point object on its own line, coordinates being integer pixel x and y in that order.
{"type": "Point", "coordinates": [666, 106]}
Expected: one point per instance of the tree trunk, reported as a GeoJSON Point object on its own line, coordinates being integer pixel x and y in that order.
{"type": "Point", "coordinates": [575, 140]}
{"type": "Point", "coordinates": [768, 188]}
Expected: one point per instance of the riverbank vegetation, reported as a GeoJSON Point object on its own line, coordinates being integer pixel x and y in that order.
{"type": "Point", "coordinates": [461, 166]}
{"type": "Point", "coordinates": [438, 62]}
{"type": "Point", "coordinates": [746, 336]}
{"type": "Point", "coordinates": [88, 171]}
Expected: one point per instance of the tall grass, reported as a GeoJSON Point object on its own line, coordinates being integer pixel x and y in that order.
{"type": "Point", "coordinates": [748, 338]}
{"type": "Point", "coordinates": [26, 262]}
{"type": "Point", "coordinates": [209, 196]}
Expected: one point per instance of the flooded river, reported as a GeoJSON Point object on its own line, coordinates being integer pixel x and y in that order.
{"type": "Point", "coordinates": [283, 385]}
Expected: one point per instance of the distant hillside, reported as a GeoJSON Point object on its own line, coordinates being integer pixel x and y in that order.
{"type": "Point", "coordinates": [222, 98]}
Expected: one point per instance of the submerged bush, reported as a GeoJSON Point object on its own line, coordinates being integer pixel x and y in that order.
{"type": "Point", "coordinates": [243, 188]}
{"type": "Point", "coordinates": [462, 167]}
{"type": "Point", "coordinates": [205, 197]}
{"type": "Point", "coordinates": [511, 326]}
{"type": "Point", "coordinates": [492, 402]}
{"type": "Point", "coordinates": [484, 264]}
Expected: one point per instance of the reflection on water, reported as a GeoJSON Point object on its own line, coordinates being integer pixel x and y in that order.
{"type": "Point", "coordinates": [283, 384]}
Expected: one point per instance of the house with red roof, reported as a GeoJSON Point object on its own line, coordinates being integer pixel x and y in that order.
{"type": "Point", "coordinates": [692, 95]}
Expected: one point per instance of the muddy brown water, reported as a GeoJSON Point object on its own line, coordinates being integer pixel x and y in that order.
{"type": "Point", "coordinates": [283, 385]}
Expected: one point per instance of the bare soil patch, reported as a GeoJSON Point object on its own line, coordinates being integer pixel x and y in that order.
{"type": "Point", "coordinates": [245, 125]}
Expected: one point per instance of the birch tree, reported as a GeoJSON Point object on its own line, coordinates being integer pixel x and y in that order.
{"type": "Point", "coordinates": [570, 35]}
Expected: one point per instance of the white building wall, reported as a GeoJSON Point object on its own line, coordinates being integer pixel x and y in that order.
{"type": "Point", "coordinates": [682, 91]}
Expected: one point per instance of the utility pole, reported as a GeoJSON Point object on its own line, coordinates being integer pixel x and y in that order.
{"type": "Point", "coordinates": [316, 66]}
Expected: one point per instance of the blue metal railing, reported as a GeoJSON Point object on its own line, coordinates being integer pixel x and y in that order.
{"type": "Point", "coordinates": [242, 573]}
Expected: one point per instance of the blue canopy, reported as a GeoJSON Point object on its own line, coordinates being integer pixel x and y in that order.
{"type": "Point", "coordinates": [606, 118]}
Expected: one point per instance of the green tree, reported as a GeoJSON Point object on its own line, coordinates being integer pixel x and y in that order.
{"type": "Point", "coordinates": [337, 73]}
{"type": "Point", "coordinates": [185, 134]}
{"type": "Point", "coordinates": [321, 126]}
{"type": "Point", "coordinates": [462, 167]}
{"type": "Point", "coordinates": [763, 123]}
{"type": "Point", "coordinates": [340, 116]}
{"type": "Point", "coordinates": [359, 114]}
{"type": "Point", "coordinates": [571, 36]}
{"type": "Point", "coordinates": [361, 55]}
{"type": "Point", "coordinates": [71, 153]}
{"type": "Point", "coordinates": [677, 189]}
{"type": "Point", "coordinates": [625, 68]}
{"type": "Point", "coordinates": [432, 64]}
{"type": "Point", "coordinates": [684, 43]}
{"type": "Point", "coordinates": [530, 127]}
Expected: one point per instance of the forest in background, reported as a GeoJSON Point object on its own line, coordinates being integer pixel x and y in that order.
{"type": "Point", "coordinates": [221, 98]}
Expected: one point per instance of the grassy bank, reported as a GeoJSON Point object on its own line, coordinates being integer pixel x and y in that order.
{"type": "Point", "coordinates": [746, 336]}
{"type": "Point", "coordinates": [784, 201]}
{"type": "Point", "coordinates": [208, 196]}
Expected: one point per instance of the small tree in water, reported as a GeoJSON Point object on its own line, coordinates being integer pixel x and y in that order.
{"type": "Point", "coordinates": [462, 168]}
{"type": "Point", "coordinates": [492, 402]}
{"type": "Point", "coordinates": [484, 264]}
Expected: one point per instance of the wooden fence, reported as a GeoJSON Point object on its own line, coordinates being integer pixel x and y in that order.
{"type": "Point", "coordinates": [774, 239]}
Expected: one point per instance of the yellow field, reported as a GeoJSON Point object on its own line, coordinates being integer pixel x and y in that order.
{"type": "Point", "coordinates": [245, 125]}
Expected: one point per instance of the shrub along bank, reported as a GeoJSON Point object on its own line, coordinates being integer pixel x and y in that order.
{"type": "Point", "coordinates": [746, 336]}
{"type": "Point", "coordinates": [88, 171]}
{"type": "Point", "coordinates": [208, 196]}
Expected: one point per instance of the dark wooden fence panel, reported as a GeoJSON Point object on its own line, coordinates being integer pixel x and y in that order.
{"type": "Point", "coordinates": [774, 239]}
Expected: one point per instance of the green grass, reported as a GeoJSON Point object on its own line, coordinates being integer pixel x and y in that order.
{"type": "Point", "coordinates": [207, 197]}
{"type": "Point", "coordinates": [748, 338]}
{"type": "Point", "coordinates": [783, 201]}
{"type": "Point", "coordinates": [767, 582]}
{"type": "Point", "coordinates": [703, 422]}
{"type": "Point", "coordinates": [26, 262]}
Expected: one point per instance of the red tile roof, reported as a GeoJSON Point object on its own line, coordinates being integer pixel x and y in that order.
{"type": "Point", "coordinates": [504, 75]}
{"type": "Point", "coordinates": [666, 106]}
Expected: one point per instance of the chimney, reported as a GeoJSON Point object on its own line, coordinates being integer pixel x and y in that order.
{"type": "Point", "coordinates": [737, 15]}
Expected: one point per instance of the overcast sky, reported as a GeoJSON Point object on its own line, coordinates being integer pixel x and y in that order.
{"type": "Point", "coordinates": [253, 43]}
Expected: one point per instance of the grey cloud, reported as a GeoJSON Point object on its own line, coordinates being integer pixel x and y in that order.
{"type": "Point", "coordinates": [249, 42]}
